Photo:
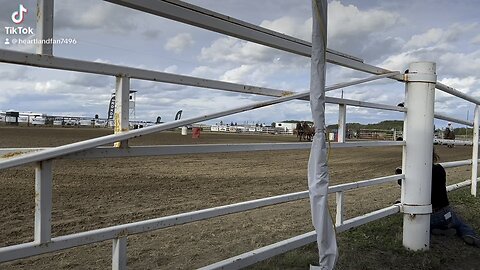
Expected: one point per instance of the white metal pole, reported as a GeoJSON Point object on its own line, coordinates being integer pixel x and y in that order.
{"type": "Point", "coordinates": [417, 206]}
{"type": "Point", "coordinates": [339, 216]}
{"type": "Point", "coordinates": [342, 122]}
{"type": "Point", "coordinates": [404, 148]}
{"type": "Point", "coordinates": [43, 202]}
{"type": "Point", "coordinates": [119, 254]}
{"type": "Point", "coordinates": [476, 118]}
{"type": "Point", "coordinates": [44, 26]}
{"type": "Point", "coordinates": [122, 102]}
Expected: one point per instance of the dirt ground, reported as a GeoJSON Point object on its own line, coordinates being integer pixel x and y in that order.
{"type": "Point", "coordinates": [91, 194]}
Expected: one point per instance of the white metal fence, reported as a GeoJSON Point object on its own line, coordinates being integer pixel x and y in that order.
{"type": "Point", "coordinates": [196, 16]}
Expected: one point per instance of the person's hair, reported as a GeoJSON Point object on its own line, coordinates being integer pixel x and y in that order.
{"type": "Point", "coordinates": [435, 156]}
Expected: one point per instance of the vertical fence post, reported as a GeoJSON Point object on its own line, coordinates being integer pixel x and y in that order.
{"type": "Point", "coordinates": [339, 216]}
{"type": "Point", "coordinates": [44, 26]}
{"type": "Point", "coordinates": [119, 254]}
{"type": "Point", "coordinates": [43, 202]}
{"type": "Point", "coordinates": [475, 151]}
{"type": "Point", "coordinates": [417, 207]}
{"type": "Point", "coordinates": [342, 122]}
{"type": "Point", "coordinates": [121, 115]}
{"type": "Point", "coordinates": [404, 147]}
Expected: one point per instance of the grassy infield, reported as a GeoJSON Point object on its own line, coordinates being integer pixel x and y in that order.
{"type": "Point", "coordinates": [378, 245]}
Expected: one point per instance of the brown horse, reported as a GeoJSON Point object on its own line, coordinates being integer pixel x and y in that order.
{"type": "Point", "coordinates": [304, 131]}
{"type": "Point", "coordinates": [449, 135]}
{"type": "Point", "coordinates": [299, 131]}
{"type": "Point", "coordinates": [309, 131]}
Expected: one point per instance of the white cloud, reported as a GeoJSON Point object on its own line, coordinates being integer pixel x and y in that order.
{"type": "Point", "coordinates": [439, 37]}
{"type": "Point", "coordinates": [349, 28]}
{"type": "Point", "coordinates": [476, 40]}
{"type": "Point", "coordinates": [460, 64]}
{"type": "Point", "coordinates": [179, 43]}
{"type": "Point", "coordinates": [93, 15]}
{"type": "Point", "coordinates": [249, 74]}
{"type": "Point", "coordinates": [234, 50]}
{"type": "Point", "coordinates": [171, 69]}
{"type": "Point", "coordinates": [295, 27]}
{"type": "Point", "coordinates": [399, 61]}
{"type": "Point", "coordinates": [207, 72]}
{"type": "Point", "coordinates": [238, 75]}
{"type": "Point", "coordinates": [464, 85]}
{"type": "Point", "coordinates": [48, 86]}
{"type": "Point", "coordinates": [347, 21]}
{"type": "Point", "coordinates": [432, 36]}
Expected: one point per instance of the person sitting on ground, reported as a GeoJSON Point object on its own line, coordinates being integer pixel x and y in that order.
{"type": "Point", "coordinates": [444, 220]}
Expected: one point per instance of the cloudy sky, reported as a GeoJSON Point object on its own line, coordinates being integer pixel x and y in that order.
{"type": "Point", "coordinates": [390, 34]}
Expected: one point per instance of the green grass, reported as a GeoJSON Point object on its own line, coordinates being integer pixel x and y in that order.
{"type": "Point", "coordinates": [378, 245]}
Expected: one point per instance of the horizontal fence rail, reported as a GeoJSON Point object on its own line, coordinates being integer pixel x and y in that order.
{"type": "Point", "coordinates": [452, 142]}
{"type": "Point", "coordinates": [54, 62]}
{"type": "Point", "coordinates": [207, 19]}
{"type": "Point", "coordinates": [87, 144]}
{"type": "Point", "coordinates": [457, 93]}
{"type": "Point", "coordinates": [263, 253]}
{"type": "Point", "coordinates": [64, 242]}
{"type": "Point", "coordinates": [161, 150]}
{"type": "Point", "coordinates": [452, 119]}
{"type": "Point", "coordinates": [257, 255]}
{"type": "Point", "coordinates": [89, 237]}
{"type": "Point", "coordinates": [138, 151]}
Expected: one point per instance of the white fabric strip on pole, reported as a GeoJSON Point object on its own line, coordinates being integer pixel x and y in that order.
{"type": "Point", "coordinates": [318, 177]}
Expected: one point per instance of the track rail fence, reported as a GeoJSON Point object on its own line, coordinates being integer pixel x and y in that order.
{"type": "Point", "coordinates": [93, 148]}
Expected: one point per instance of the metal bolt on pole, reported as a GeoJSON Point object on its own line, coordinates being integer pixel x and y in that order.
{"type": "Point", "coordinates": [417, 207]}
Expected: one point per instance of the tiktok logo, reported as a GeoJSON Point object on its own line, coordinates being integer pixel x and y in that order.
{"type": "Point", "coordinates": [18, 16]}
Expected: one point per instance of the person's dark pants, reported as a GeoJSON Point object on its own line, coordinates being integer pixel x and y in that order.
{"type": "Point", "coordinates": [445, 218]}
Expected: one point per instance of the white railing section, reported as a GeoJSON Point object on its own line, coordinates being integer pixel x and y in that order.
{"type": "Point", "coordinates": [254, 256]}
{"type": "Point", "coordinates": [162, 150]}
{"type": "Point", "coordinates": [196, 16]}
{"type": "Point", "coordinates": [114, 232]}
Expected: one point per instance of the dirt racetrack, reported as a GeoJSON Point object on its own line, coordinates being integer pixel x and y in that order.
{"type": "Point", "coordinates": [91, 194]}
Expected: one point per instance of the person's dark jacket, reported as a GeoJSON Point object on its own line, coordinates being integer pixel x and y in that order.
{"type": "Point", "coordinates": [439, 190]}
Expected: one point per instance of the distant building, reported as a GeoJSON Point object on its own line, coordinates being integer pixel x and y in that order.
{"type": "Point", "coordinates": [286, 128]}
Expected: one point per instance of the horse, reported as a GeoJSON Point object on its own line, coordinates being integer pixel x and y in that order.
{"type": "Point", "coordinates": [299, 131]}
{"type": "Point", "coordinates": [308, 131]}
{"type": "Point", "coordinates": [449, 135]}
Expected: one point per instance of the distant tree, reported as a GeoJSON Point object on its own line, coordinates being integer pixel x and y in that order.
{"type": "Point", "coordinates": [221, 123]}
{"type": "Point", "coordinates": [235, 123]}
{"type": "Point", "coordinates": [231, 123]}
{"type": "Point", "coordinates": [273, 124]}
{"type": "Point", "coordinates": [256, 124]}
{"type": "Point", "coordinates": [261, 125]}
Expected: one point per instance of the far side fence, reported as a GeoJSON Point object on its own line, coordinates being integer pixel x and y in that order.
{"type": "Point", "coordinates": [421, 83]}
